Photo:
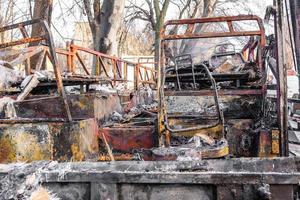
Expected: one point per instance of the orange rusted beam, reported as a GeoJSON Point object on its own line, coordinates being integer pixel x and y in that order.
{"type": "Point", "coordinates": [227, 19]}
{"type": "Point", "coordinates": [22, 41]}
{"type": "Point", "coordinates": [82, 64]}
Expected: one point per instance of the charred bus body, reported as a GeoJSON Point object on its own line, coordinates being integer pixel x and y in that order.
{"type": "Point", "coordinates": [219, 89]}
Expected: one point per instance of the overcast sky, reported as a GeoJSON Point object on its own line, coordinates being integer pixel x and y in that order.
{"type": "Point", "coordinates": [67, 12]}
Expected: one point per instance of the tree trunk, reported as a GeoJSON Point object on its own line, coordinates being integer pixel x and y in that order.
{"type": "Point", "coordinates": [105, 26]}
{"type": "Point", "coordinates": [157, 46]}
{"type": "Point", "coordinates": [42, 10]}
{"type": "Point", "coordinates": [160, 14]}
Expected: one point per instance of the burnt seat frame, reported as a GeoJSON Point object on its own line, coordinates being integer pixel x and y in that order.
{"type": "Point", "coordinates": [163, 125]}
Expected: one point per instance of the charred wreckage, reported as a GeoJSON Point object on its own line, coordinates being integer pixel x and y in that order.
{"type": "Point", "coordinates": [192, 128]}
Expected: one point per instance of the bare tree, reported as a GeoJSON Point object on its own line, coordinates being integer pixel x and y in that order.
{"type": "Point", "coordinates": [147, 11]}
{"type": "Point", "coordinates": [105, 23]}
{"type": "Point", "coordinates": [153, 12]}
{"type": "Point", "coordinates": [208, 7]}
{"type": "Point", "coordinates": [7, 17]}
{"type": "Point", "coordinates": [42, 10]}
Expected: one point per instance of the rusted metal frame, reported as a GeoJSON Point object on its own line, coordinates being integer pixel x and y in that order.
{"type": "Point", "coordinates": [23, 31]}
{"type": "Point", "coordinates": [125, 71]}
{"type": "Point", "coordinates": [113, 59]}
{"type": "Point", "coordinates": [71, 59]}
{"type": "Point", "coordinates": [99, 54]}
{"type": "Point", "coordinates": [142, 65]}
{"type": "Point", "coordinates": [30, 120]}
{"type": "Point", "coordinates": [17, 25]}
{"type": "Point", "coordinates": [141, 76]}
{"type": "Point", "coordinates": [104, 69]}
{"type": "Point", "coordinates": [31, 51]}
{"type": "Point", "coordinates": [114, 72]}
{"type": "Point", "coordinates": [62, 52]}
{"type": "Point", "coordinates": [216, 19]}
{"type": "Point", "coordinates": [70, 54]}
{"type": "Point", "coordinates": [57, 70]}
{"type": "Point", "coordinates": [110, 153]}
{"type": "Point", "coordinates": [190, 29]}
{"type": "Point", "coordinates": [145, 58]}
{"type": "Point", "coordinates": [27, 67]}
{"type": "Point", "coordinates": [23, 41]}
{"type": "Point", "coordinates": [229, 21]}
{"type": "Point", "coordinates": [82, 64]}
{"type": "Point", "coordinates": [230, 26]}
{"type": "Point", "coordinates": [100, 58]}
{"type": "Point", "coordinates": [147, 69]}
{"type": "Point", "coordinates": [194, 79]}
{"type": "Point", "coordinates": [177, 77]}
{"type": "Point", "coordinates": [212, 35]}
{"type": "Point", "coordinates": [136, 76]}
{"type": "Point", "coordinates": [222, 92]}
{"type": "Point", "coordinates": [261, 32]}
{"type": "Point", "coordinates": [161, 72]}
{"type": "Point", "coordinates": [147, 77]}
{"type": "Point", "coordinates": [47, 54]}
{"type": "Point", "coordinates": [103, 66]}
{"type": "Point", "coordinates": [217, 103]}
{"type": "Point", "coordinates": [252, 48]}
{"type": "Point", "coordinates": [281, 81]}
{"type": "Point", "coordinates": [118, 69]}
{"type": "Point", "coordinates": [47, 37]}
{"type": "Point", "coordinates": [40, 60]}
{"type": "Point", "coordinates": [148, 82]}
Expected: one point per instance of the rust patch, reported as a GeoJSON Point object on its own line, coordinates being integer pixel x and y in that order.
{"type": "Point", "coordinates": [7, 150]}
{"type": "Point", "coordinates": [126, 139]}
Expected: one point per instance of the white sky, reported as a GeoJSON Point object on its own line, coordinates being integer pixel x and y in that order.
{"type": "Point", "coordinates": [65, 14]}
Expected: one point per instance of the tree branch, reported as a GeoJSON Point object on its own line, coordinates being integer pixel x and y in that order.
{"type": "Point", "coordinates": [97, 11]}
{"type": "Point", "coordinates": [88, 11]}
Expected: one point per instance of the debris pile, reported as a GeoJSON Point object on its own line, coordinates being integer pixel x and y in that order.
{"type": "Point", "coordinates": [22, 181]}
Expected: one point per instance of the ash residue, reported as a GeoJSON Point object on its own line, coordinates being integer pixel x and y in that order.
{"type": "Point", "coordinates": [21, 181]}
{"type": "Point", "coordinates": [117, 117]}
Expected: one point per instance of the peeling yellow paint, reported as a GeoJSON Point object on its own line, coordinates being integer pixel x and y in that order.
{"type": "Point", "coordinates": [77, 155]}
{"type": "Point", "coordinates": [29, 149]}
{"type": "Point", "coordinates": [214, 132]}
{"type": "Point", "coordinates": [275, 142]}
{"type": "Point", "coordinates": [21, 146]}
